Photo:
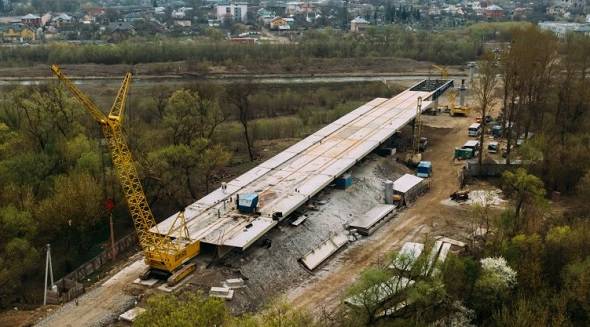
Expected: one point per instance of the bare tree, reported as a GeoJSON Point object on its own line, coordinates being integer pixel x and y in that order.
{"type": "Point", "coordinates": [239, 96]}
{"type": "Point", "coordinates": [483, 91]}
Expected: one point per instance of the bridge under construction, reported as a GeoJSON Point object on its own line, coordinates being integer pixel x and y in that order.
{"type": "Point", "coordinates": [288, 180]}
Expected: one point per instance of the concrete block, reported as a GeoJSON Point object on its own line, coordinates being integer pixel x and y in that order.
{"type": "Point", "coordinates": [165, 288]}
{"type": "Point", "coordinates": [234, 283]}
{"type": "Point", "coordinates": [148, 282]}
{"type": "Point", "coordinates": [132, 314]}
{"type": "Point", "coordinates": [221, 292]}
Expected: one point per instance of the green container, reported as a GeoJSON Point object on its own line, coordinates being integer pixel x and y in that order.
{"type": "Point", "coordinates": [463, 153]}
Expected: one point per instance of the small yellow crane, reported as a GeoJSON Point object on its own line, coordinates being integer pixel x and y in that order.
{"type": "Point", "coordinates": [164, 254]}
{"type": "Point", "coordinates": [444, 73]}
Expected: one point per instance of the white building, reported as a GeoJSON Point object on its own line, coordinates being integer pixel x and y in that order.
{"type": "Point", "coordinates": [561, 29]}
{"type": "Point", "coordinates": [233, 11]}
{"type": "Point", "coordinates": [358, 24]}
{"type": "Point", "coordinates": [181, 13]}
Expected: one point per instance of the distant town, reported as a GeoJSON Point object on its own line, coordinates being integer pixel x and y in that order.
{"type": "Point", "coordinates": [38, 22]}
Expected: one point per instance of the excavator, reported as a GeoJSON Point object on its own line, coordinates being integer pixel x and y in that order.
{"type": "Point", "coordinates": [166, 256]}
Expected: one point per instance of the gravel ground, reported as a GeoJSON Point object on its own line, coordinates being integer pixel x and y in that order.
{"type": "Point", "coordinates": [271, 271]}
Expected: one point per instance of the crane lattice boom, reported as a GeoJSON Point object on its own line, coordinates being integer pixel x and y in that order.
{"type": "Point", "coordinates": [161, 252]}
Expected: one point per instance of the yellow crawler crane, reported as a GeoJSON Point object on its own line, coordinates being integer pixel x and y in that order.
{"type": "Point", "coordinates": [165, 255]}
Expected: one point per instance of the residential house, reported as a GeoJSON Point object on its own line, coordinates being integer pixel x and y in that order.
{"type": "Point", "coordinates": [493, 11]}
{"type": "Point", "coordinates": [280, 24]}
{"type": "Point", "coordinates": [294, 8]}
{"type": "Point", "coordinates": [46, 19]}
{"type": "Point", "coordinates": [358, 24]}
{"type": "Point", "coordinates": [17, 33]}
{"type": "Point", "coordinates": [556, 11]}
{"type": "Point", "coordinates": [61, 20]}
{"type": "Point", "coordinates": [120, 31]}
{"type": "Point", "coordinates": [569, 5]}
{"type": "Point", "coordinates": [232, 12]}
{"type": "Point", "coordinates": [31, 20]}
{"type": "Point", "coordinates": [182, 13]}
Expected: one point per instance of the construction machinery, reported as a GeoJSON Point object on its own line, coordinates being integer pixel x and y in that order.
{"type": "Point", "coordinates": [460, 109]}
{"type": "Point", "coordinates": [165, 255]}
{"type": "Point", "coordinates": [444, 72]}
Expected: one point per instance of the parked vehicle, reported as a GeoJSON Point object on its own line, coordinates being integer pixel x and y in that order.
{"type": "Point", "coordinates": [424, 169]}
{"type": "Point", "coordinates": [474, 130]}
{"type": "Point", "coordinates": [473, 145]}
{"type": "Point", "coordinates": [497, 131]}
{"type": "Point", "coordinates": [493, 147]}
{"type": "Point", "coordinates": [463, 154]}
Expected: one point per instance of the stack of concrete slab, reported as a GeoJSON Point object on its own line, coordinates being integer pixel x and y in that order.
{"type": "Point", "coordinates": [131, 315]}
{"type": "Point", "coordinates": [222, 292]}
{"type": "Point", "coordinates": [234, 283]}
{"type": "Point", "coordinates": [315, 257]}
{"type": "Point", "coordinates": [407, 256]}
{"type": "Point", "coordinates": [372, 219]}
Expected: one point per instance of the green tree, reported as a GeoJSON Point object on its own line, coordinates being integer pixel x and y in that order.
{"type": "Point", "coordinates": [576, 281]}
{"type": "Point", "coordinates": [175, 168]}
{"type": "Point", "coordinates": [493, 286]}
{"type": "Point", "coordinates": [527, 192]}
{"type": "Point", "coordinates": [189, 117]}
{"type": "Point", "coordinates": [18, 257]}
{"type": "Point", "coordinates": [211, 160]}
{"type": "Point", "coordinates": [193, 310]}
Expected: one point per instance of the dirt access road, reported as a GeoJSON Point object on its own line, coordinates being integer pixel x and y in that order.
{"type": "Point", "coordinates": [326, 290]}
{"type": "Point", "coordinates": [101, 305]}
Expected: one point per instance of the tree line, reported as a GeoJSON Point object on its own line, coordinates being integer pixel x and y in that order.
{"type": "Point", "coordinates": [56, 173]}
{"type": "Point", "coordinates": [446, 47]}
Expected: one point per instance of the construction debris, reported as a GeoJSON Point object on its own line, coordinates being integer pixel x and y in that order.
{"type": "Point", "coordinates": [131, 315]}
{"type": "Point", "coordinates": [367, 223]}
{"type": "Point", "coordinates": [316, 256]}
{"type": "Point", "coordinates": [451, 241]}
{"type": "Point", "coordinates": [299, 220]}
{"type": "Point", "coordinates": [234, 283]}
{"type": "Point", "coordinates": [148, 282]}
{"type": "Point", "coordinates": [221, 292]}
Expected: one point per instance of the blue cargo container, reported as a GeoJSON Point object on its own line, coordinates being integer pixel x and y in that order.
{"type": "Point", "coordinates": [344, 181]}
{"type": "Point", "coordinates": [424, 169]}
{"type": "Point", "coordinates": [248, 202]}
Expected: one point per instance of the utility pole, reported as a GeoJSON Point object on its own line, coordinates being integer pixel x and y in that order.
{"type": "Point", "coordinates": [113, 249]}
{"type": "Point", "coordinates": [48, 271]}
{"type": "Point", "coordinates": [110, 205]}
